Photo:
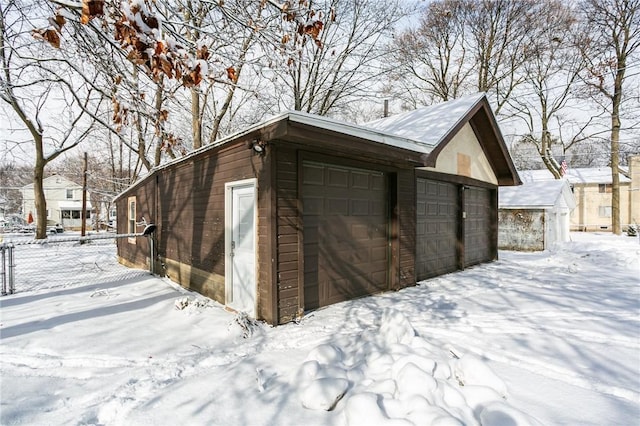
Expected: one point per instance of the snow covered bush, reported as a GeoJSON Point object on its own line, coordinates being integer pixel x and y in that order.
{"type": "Point", "coordinates": [391, 376]}
{"type": "Point", "coordinates": [246, 325]}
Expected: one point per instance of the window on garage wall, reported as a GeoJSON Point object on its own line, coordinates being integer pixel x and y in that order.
{"type": "Point", "coordinates": [131, 218]}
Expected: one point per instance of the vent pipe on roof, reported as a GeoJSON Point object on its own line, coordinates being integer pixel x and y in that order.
{"type": "Point", "coordinates": [385, 114]}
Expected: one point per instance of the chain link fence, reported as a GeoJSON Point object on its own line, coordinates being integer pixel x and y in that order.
{"type": "Point", "coordinates": [61, 262]}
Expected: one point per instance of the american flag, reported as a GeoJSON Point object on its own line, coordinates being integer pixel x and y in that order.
{"type": "Point", "coordinates": [563, 168]}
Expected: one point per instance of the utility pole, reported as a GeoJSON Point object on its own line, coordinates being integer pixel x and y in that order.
{"type": "Point", "coordinates": [83, 213]}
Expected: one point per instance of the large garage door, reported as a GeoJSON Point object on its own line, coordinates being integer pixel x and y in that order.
{"type": "Point", "coordinates": [436, 227]}
{"type": "Point", "coordinates": [345, 219]}
{"type": "Point", "coordinates": [479, 226]}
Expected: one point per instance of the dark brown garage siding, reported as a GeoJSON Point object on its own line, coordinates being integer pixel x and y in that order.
{"type": "Point", "coordinates": [480, 233]}
{"type": "Point", "coordinates": [191, 196]}
{"type": "Point", "coordinates": [406, 207]}
{"type": "Point", "coordinates": [346, 222]}
{"type": "Point", "coordinates": [287, 236]}
{"type": "Point", "coordinates": [437, 219]}
{"type": "Point", "coordinates": [137, 254]}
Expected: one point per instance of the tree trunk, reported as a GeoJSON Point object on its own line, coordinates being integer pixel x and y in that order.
{"type": "Point", "coordinates": [545, 143]}
{"type": "Point", "coordinates": [160, 135]}
{"type": "Point", "coordinates": [615, 158]}
{"type": "Point", "coordinates": [196, 119]}
{"type": "Point", "coordinates": [38, 191]}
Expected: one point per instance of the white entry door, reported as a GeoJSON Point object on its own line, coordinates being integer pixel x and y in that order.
{"type": "Point", "coordinates": [241, 248]}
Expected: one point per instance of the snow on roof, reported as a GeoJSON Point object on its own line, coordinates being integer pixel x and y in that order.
{"type": "Point", "coordinates": [428, 125]}
{"type": "Point", "coordinates": [539, 194]}
{"type": "Point", "coordinates": [419, 131]}
{"type": "Point", "coordinates": [361, 131]}
{"type": "Point", "coordinates": [72, 205]}
{"type": "Point", "coordinates": [579, 175]}
{"type": "Point", "coordinates": [594, 175]}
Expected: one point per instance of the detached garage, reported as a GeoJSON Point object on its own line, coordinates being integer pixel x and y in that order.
{"type": "Point", "coordinates": [302, 211]}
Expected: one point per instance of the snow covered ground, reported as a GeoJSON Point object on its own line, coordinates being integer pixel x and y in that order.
{"type": "Point", "coordinates": [536, 338]}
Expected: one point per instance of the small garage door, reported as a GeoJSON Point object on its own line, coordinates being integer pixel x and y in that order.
{"type": "Point", "coordinates": [345, 219]}
{"type": "Point", "coordinates": [479, 226]}
{"type": "Point", "coordinates": [436, 227]}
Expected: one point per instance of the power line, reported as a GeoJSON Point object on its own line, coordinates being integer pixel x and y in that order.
{"type": "Point", "coordinates": [99, 192]}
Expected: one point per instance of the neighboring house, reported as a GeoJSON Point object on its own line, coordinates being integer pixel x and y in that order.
{"type": "Point", "coordinates": [535, 215]}
{"type": "Point", "coordinates": [113, 218]}
{"type": "Point", "coordinates": [3, 204]}
{"type": "Point", "coordinates": [302, 211]}
{"type": "Point", "coordinates": [633, 173]}
{"type": "Point", "coordinates": [3, 222]}
{"type": "Point", "coordinates": [64, 202]}
{"type": "Point", "coordinates": [592, 191]}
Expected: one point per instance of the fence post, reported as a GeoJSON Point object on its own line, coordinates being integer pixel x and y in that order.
{"type": "Point", "coordinates": [148, 232]}
{"type": "Point", "coordinates": [12, 287]}
{"type": "Point", "coordinates": [151, 254]}
{"type": "Point", "coordinates": [4, 270]}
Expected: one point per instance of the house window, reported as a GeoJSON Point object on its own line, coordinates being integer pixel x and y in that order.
{"type": "Point", "coordinates": [604, 188]}
{"type": "Point", "coordinates": [604, 211]}
{"type": "Point", "coordinates": [69, 194]}
{"type": "Point", "coordinates": [74, 214]}
{"type": "Point", "coordinates": [131, 216]}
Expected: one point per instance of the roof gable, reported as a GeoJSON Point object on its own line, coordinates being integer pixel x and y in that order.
{"type": "Point", "coordinates": [55, 181]}
{"type": "Point", "coordinates": [435, 126]}
{"type": "Point", "coordinates": [464, 155]}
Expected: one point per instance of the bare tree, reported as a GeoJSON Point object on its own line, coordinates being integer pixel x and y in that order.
{"type": "Point", "coordinates": [499, 39]}
{"type": "Point", "coordinates": [197, 45]}
{"type": "Point", "coordinates": [432, 60]}
{"type": "Point", "coordinates": [12, 178]}
{"type": "Point", "coordinates": [44, 93]}
{"type": "Point", "coordinates": [549, 75]}
{"type": "Point", "coordinates": [102, 183]}
{"type": "Point", "coordinates": [612, 39]}
{"type": "Point", "coordinates": [230, 30]}
{"type": "Point", "coordinates": [467, 46]}
{"type": "Point", "coordinates": [345, 64]}
{"type": "Point", "coordinates": [134, 111]}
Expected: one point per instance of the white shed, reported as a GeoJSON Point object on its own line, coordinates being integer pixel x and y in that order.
{"type": "Point", "coordinates": [535, 215]}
